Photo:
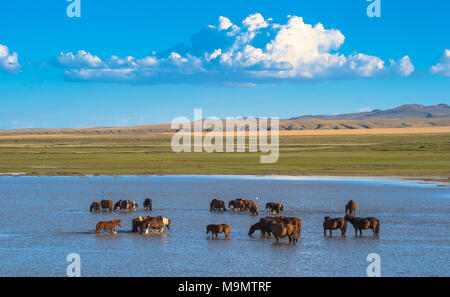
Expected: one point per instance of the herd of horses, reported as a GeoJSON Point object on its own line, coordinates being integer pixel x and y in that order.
{"type": "Point", "coordinates": [279, 226]}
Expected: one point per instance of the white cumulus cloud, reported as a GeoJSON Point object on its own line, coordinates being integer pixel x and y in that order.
{"type": "Point", "coordinates": [9, 62]}
{"type": "Point", "coordinates": [255, 50]}
{"type": "Point", "coordinates": [443, 67]}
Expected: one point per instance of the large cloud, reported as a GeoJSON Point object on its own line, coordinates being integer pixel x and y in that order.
{"type": "Point", "coordinates": [443, 67]}
{"type": "Point", "coordinates": [256, 51]}
{"type": "Point", "coordinates": [9, 62]}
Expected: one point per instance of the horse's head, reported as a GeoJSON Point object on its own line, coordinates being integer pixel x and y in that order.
{"type": "Point", "coordinates": [326, 218]}
{"type": "Point", "coordinates": [252, 229]}
{"type": "Point", "coordinates": [208, 229]}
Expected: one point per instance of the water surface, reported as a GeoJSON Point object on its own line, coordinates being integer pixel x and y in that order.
{"type": "Point", "coordinates": [43, 219]}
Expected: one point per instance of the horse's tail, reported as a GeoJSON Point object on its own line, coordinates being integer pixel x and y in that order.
{"type": "Point", "coordinates": [377, 229]}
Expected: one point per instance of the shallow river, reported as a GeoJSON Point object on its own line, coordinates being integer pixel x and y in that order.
{"type": "Point", "coordinates": [43, 219]}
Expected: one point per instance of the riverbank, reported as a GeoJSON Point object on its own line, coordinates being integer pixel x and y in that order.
{"type": "Point", "coordinates": [413, 155]}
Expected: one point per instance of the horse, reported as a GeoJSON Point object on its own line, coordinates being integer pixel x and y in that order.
{"type": "Point", "coordinates": [148, 204]}
{"type": "Point", "coordinates": [109, 225]}
{"type": "Point", "coordinates": [136, 223]}
{"type": "Point", "coordinates": [275, 207]}
{"type": "Point", "coordinates": [262, 225]}
{"type": "Point", "coordinates": [248, 204]}
{"type": "Point", "coordinates": [216, 229]}
{"type": "Point", "coordinates": [217, 205]}
{"type": "Point", "coordinates": [96, 206]}
{"type": "Point", "coordinates": [363, 224]}
{"type": "Point", "coordinates": [254, 209]}
{"type": "Point", "coordinates": [134, 205]}
{"type": "Point", "coordinates": [294, 221]}
{"type": "Point", "coordinates": [107, 204]}
{"type": "Point", "coordinates": [118, 205]}
{"type": "Point", "coordinates": [237, 204]}
{"type": "Point", "coordinates": [350, 207]}
{"type": "Point", "coordinates": [285, 230]}
{"type": "Point", "coordinates": [333, 224]}
{"type": "Point", "coordinates": [126, 204]}
{"type": "Point", "coordinates": [156, 223]}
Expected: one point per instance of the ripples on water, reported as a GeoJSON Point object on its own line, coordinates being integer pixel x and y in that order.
{"type": "Point", "coordinates": [43, 219]}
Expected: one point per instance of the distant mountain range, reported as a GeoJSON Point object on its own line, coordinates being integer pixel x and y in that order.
{"type": "Point", "coordinates": [401, 112]}
{"type": "Point", "coordinates": [409, 115]}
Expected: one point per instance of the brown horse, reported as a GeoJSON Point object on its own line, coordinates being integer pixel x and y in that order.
{"type": "Point", "coordinates": [254, 209]}
{"type": "Point", "coordinates": [284, 230]}
{"type": "Point", "coordinates": [294, 221]}
{"type": "Point", "coordinates": [136, 223]}
{"type": "Point", "coordinates": [350, 207]}
{"type": "Point", "coordinates": [216, 229]}
{"type": "Point", "coordinates": [217, 205]}
{"type": "Point", "coordinates": [126, 205]}
{"type": "Point", "coordinates": [363, 224]}
{"type": "Point", "coordinates": [96, 206]}
{"type": "Point", "coordinates": [156, 223]}
{"type": "Point", "coordinates": [148, 204]}
{"type": "Point", "coordinates": [237, 204]}
{"type": "Point", "coordinates": [248, 204]}
{"type": "Point", "coordinates": [333, 224]}
{"type": "Point", "coordinates": [275, 207]}
{"type": "Point", "coordinates": [107, 204]}
{"type": "Point", "coordinates": [109, 225]}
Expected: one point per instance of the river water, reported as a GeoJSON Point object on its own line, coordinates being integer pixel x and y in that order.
{"type": "Point", "coordinates": [43, 219]}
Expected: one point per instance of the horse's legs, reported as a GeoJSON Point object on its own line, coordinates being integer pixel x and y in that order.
{"type": "Point", "coordinates": [331, 232]}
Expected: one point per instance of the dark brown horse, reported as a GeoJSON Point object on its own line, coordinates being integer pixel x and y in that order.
{"type": "Point", "coordinates": [107, 204]}
{"type": "Point", "coordinates": [95, 206]}
{"type": "Point", "coordinates": [136, 223]}
{"type": "Point", "coordinates": [350, 207]}
{"type": "Point", "coordinates": [217, 205]}
{"type": "Point", "coordinates": [216, 229]}
{"type": "Point", "coordinates": [333, 224]}
{"type": "Point", "coordinates": [363, 224]}
{"type": "Point", "coordinates": [262, 225]}
{"type": "Point", "coordinates": [275, 207]}
{"type": "Point", "coordinates": [118, 205]}
{"type": "Point", "coordinates": [237, 204]}
{"type": "Point", "coordinates": [109, 225]}
{"type": "Point", "coordinates": [148, 204]}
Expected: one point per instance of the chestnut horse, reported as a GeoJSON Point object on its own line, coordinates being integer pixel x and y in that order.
{"type": "Point", "coordinates": [148, 204]}
{"type": "Point", "coordinates": [333, 224]}
{"type": "Point", "coordinates": [363, 224]}
{"type": "Point", "coordinates": [281, 230]}
{"type": "Point", "coordinates": [109, 225]}
{"type": "Point", "coordinates": [217, 205]}
{"type": "Point", "coordinates": [216, 229]}
{"type": "Point", "coordinates": [107, 204]}
{"type": "Point", "coordinates": [350, 207]}
{"type": "Point", "coordinates": [96, 206]}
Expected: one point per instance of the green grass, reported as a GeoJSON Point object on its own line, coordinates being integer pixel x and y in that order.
{"type": "Point", "coordinates": [409, 154]}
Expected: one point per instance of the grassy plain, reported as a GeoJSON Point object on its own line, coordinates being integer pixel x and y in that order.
{"type": "Point", "coordinates": [397, 152]}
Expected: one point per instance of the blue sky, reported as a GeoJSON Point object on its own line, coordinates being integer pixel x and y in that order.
{"type": "Point", "coordinates": [56, 86]}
